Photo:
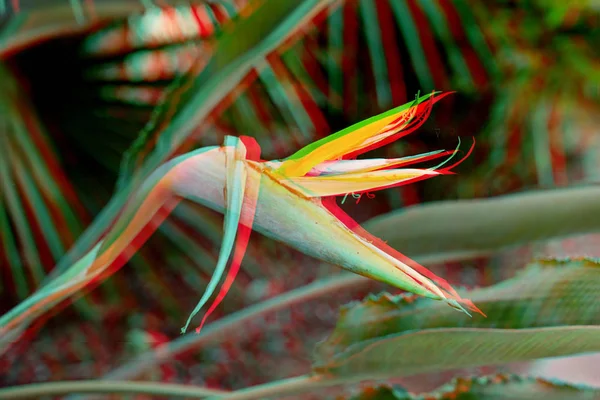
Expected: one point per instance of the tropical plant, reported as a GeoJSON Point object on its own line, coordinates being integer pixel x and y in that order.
{"type": "Point", "coordinates": [106, 107]}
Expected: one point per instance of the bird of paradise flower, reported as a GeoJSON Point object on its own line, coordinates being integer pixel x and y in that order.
{"type": "Point", "coordinates": [290, 200]}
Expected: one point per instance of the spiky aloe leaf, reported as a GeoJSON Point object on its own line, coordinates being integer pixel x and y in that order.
{"type": "Point", "coordinates": [547, 310]}
{"type": "Point", "coordinates": [494, 387]}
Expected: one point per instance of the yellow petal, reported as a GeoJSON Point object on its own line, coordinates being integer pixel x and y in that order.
{"type": "Point", "coordinates": [336, 185]}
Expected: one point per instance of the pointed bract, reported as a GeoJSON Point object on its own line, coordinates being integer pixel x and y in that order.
{"type": "Point", "coordinates": [291, 201]}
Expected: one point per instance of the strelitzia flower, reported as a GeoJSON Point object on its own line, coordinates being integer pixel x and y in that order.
{"type": "Point", "coordinates": [290, 200]}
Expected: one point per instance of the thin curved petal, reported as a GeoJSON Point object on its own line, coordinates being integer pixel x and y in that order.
{"type": "Point", "coordinates": [372, 164]}
{"type": "Point", "coordinates": [336, 185]}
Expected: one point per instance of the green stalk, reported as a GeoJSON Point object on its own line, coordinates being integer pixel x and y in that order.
{"type": "Point", "coordinates": [37, 390]}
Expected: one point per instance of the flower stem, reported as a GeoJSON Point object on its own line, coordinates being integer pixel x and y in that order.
{"type": "Point", "coordinates": [37, 390]}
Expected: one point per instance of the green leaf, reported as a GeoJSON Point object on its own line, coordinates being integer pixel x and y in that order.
{"type": "Point", "coordinates": [548, 310]}
{"type": "Point", "coordinates": [453, 229]}
{"type": "Point", "coordinates": [495, 387]}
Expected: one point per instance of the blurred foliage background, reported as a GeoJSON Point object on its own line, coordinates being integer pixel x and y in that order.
{"type": "Point", "coordinates": [90, 91]}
